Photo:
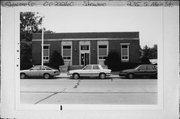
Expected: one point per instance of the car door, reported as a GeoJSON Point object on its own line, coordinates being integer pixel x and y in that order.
{"type": "Point", "coordinates": [141, 70]}
{"type": "Point", "coordinates": [86, 71]}
{"type": "Point", "coordinates": [95, 70]}
{"type": "Point", "coordinates": [42, 71]}
{"type": "Point", "coordinates": [151, 70]}
{"type": "Point", "coordinates": [34, 72]}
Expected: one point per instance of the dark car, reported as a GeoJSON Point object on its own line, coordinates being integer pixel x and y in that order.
{"type": "Point", "coordinates": [141, 70]}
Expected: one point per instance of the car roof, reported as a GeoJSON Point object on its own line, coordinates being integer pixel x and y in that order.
{"type": "Point", "coordinates": [41, 66]}
{"type": "Point", "coordinates": [92, 64]}
{"type": "Point", "coordinates": [148, 64]}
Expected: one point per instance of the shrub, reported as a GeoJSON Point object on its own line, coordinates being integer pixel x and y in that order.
{"type": "Point", "coordinates": [113, 61]}
{"type": "Point", "coordinates": [56, 60]}
{"type": "Point", "coordinates": [127, 65]}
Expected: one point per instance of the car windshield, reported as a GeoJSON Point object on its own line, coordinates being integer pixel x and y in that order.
{"type": "Point", "coordinates": [36, 68]}
{"type": "Point", "coordinates": [88, 67]}
{"type": "Point", "coordinates": [47, 68]}
{"type": "Point", "coordinates": [136, 67]}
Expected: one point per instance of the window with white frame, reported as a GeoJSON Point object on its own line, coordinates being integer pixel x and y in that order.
{"type": "Point", "coordinates": [125, 52]}
{"type": "Point", "coordinates": [102, 50]}
{"type": "Point", "coordinates": [66, 51]}
{"type": "Point", "coordinates": [46, 49]}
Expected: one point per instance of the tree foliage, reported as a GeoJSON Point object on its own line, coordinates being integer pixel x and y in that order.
{"type": "Point", "coordinates": [29, 23]}
{"type": "Point", "coordinates": [56, 60]}
{"type": "Point", "coordinates": [25, 55]}
{"type": "Point", "coordinates": [148, 53]}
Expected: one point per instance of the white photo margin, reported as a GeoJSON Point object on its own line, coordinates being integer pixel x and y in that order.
{"type": "Point", "coordinates": [168, 57]}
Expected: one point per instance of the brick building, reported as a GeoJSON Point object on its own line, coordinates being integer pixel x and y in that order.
{"type": "Point", "coordinates": [87, 48]}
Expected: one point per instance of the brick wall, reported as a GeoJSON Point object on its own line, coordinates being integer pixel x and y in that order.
{"type": "Point", "coordinates": [114, 45]}
{"type": "Point", "coordinates": [75, 52]}
{"type": "Point", "coordinates": [134, 53]}
{"type": "Point", "coordinates": [93, 52]}
{"type": "Point", "coordinates": [36, 49]}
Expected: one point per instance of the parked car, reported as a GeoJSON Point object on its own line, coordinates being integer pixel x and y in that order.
{"type": "Point", "coordinates": [94, 70]}
{"type": "Point", "coordinates": [141, 70]}
{"type": "Point", "coordinates": [39, 71]}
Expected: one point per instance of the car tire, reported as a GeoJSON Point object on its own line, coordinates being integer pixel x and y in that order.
{"type": "Point", "coordinates": [46, 76]}
{"type": "Point", "coordinates": [76, 76]}
{"type": "Point", "coordinates": [23, 76]}
{"type": "Point", "coordinates": [102, 75]}
{"type": "Point", "coordinates": [130, 76]}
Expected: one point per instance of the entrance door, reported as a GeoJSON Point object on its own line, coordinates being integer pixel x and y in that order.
{"type": "Point", "coordinates": [84, 58]}
{"type": "Point", "coordinates": [84, 53]}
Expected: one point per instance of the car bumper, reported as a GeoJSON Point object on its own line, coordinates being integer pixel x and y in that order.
{"type": "Point", "coordinates": [108, 74]}
{"type": "Point", "coordinates": [56, 74]}
{"type": "Point", "coordinates": [122, 74]}
{"type": "Point", "coordinates": [68, 74]}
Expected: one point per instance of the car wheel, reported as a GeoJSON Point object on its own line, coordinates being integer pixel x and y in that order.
{"type": "Point", "coordinates": [131, 76]}
{"type": "Point", "coordinates": [75, 76]}
{"type": "Point", "coordinates": [23, 76]}
{"type": "Point", "coordinates": [46, 76]}
{"type": "Point", "coordinates": [102, 76]}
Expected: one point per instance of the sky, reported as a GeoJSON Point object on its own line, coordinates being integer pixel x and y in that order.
{"type": "Point", "coordinates": [145, 20]}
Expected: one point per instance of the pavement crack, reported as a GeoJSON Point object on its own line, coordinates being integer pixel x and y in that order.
{"type": "Point", "coordinates": [50, 96]}
{"type": "Point", "coordinates": [77, 84]}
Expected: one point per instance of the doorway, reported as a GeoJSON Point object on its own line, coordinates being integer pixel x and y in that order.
{"type": "Point", "coordinates": [84, 58]}
{"type": "Point", "coordinates": [84, 53]}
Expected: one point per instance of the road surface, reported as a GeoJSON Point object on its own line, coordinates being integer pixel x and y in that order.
{"type": "Point", "coordinates": [88, 91]}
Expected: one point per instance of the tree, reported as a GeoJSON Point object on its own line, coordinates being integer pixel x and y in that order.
{"type": "Point", "coordinates": [25, 58]}
{"type": "Point", "coordinates": [148, 53]}
{"type": "Point", "coordinates": [56, 60]}
{"type": "Point", "coordinates": [29, 23]}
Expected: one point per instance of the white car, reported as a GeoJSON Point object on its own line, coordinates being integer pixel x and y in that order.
{"type": "Point", "coordinates": [93, 70]}
{"type": "Point", "coordinates": [39, 71]}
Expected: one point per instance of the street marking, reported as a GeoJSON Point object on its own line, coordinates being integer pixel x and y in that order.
{"type": "Point", "coordinates": [77, 84]}
{"type": "Point", "coordinates": [49, 96]}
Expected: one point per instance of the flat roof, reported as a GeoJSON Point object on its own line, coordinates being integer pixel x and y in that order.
{"type": "Point", "coordinates": [87, 35]}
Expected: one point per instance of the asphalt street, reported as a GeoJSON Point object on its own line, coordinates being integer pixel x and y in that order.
{"type": "Point", "coordinates": [88, 91]}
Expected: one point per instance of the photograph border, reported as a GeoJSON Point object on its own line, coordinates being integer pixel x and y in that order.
{"type": "Point", "coordinates": [15, 108]}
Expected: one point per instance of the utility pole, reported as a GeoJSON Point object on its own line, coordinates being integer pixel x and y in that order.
{"type": "Point", "coordinates": [42, 44]}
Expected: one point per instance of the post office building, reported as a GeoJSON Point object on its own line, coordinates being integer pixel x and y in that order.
{"type": "Point", "coordinates": [87, 47]}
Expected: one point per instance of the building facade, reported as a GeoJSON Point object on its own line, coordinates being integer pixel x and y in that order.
{"type": "Point", "coordinates": [87, 48]}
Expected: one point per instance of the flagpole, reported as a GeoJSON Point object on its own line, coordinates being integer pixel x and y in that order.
{"type": "Point", "coordinates": [42, 44]}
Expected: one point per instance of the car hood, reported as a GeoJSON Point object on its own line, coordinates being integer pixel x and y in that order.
{"type": "Point", "coordinates": [24, 70]}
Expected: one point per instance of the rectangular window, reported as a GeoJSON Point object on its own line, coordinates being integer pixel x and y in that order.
{"type": "Point", "coordinates": [125, 52]}
{"type": "Point", "coordinates": [84, 47]}
{"type": "Point", "coordinates": [46, 49]}
{"type": "Point", "coordinates": [67, 52]}
{"type": "Point", "coordinates": [102, 51]}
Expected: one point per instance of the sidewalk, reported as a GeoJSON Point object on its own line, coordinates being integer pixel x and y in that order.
{"type": "Point", "coordinates": [64, 75]}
